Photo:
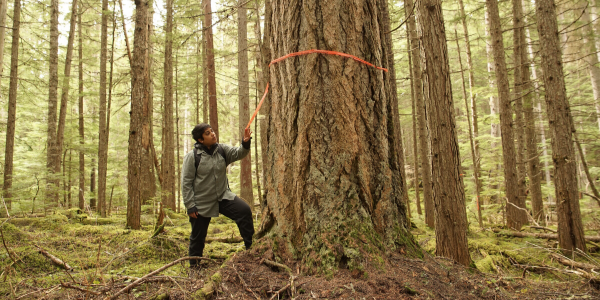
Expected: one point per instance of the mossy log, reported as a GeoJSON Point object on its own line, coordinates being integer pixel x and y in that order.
{"type": "Point", "coordinates": [549, 236]}
{"type": "Point", "coordinates": [209, 288]}
{"type": "Point", "coordinates": [573, 264]}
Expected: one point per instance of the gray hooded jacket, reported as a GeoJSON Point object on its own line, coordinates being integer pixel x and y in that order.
{"type": "Point", "coordinates": [203, 189]}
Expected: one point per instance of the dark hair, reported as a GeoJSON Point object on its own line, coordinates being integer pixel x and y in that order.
{"type": "Point", "coordinates": [199, 130]}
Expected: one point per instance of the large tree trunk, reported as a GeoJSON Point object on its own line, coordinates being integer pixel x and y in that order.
{"type": "Point", "coordinates": [139, 139]}
{"type": "Point", "coordinates": [102, 140]}
{"type": "Point", "coordinates": [52, 157]}
{"type": "Point", "coordinates": [515, 217]}
{"type": "Point", "coordinates": [419, 96]}
{"type": "Point", "coordinates": [570, 228]}
{"type": "Point", "coordinates": [167, 158]}
{"type": "Point", "coordinates": [446, 182]}
{"type": "Point", "coordinates": [12, 106]}
{"type": "Point", "coordinates": [332, 170]}
{"type": "Point", "coordinates": [64, 97]}
{"type": "Point", "coordinates": [533, 160]}
{"type": "Point", "coordinates": [244, 102]}
{"type": "Point", "coordinates": [80, 110]}
{"type": "Point", "coordinates": [210, 67]}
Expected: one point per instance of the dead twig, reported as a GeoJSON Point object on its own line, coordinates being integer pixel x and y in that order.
{"type": "Point", "coordinates": [280, 291]}
{"type": "Point", "coordinates": [69, 286]}
{"type": "Point", "coordinates": [141, 280]}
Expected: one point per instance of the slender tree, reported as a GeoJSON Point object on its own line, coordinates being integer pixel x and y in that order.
{"type": "Point", "coordinates": [167, 158]}
{"type": "Point", "coordinates": [474, 117]}
{"type": "Point", "coordinates": [471, 135]}
{"type": "Point", "coordinates": [12, 106]}
{"type": "Point", "coordinates": [246, 192]}
{"type": "Point", "coordinates": [3, 8]}
{"type": "Point", "coordinates": [62, 119]}
{"type": "Point", "coordinates": [420, 98]}
{"type": "Point", "coordinates": [52, 156]}
{"type": "Point", "coordinates": [139, 143]}
{"type": "Point", "coordinates": [515, 216]}
{"type": "Point", "coordinates": [570, 228]}
{"type": "Point", "coordinates": [80, 111]}
{"type": "Point", "coordinates": [491, 69]}
{"type": "Point", "coordinates": [415, 134]}
{"type": "Point", "coordinates": [532, 161]}
{"type": "Point", "coordinates": [149, 161]}
{"type": "Point", "coordinates": [446, 182]}
{"type": "Point", "coordinates": [591, 59]}
{"type": "Point", "coordinates": [210, 67]}
{"type": "Point", "coordinates": [102, 133]}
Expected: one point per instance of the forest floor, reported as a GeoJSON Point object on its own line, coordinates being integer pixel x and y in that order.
{"type": "Point", "coordinates": [107, 258]}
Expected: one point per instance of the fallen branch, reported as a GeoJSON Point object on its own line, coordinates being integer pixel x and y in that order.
{"type": "Point", "coordinates": [230, 240]}
{"type": "Point", "coordinates": [55, 260]}
{"type": "Point", "coordinates": [549, 236]}
{"type": "Point", "coordinates": [141, 280]}
{"type": "Point", "coordinates": [280, 291]}
{"type": "Point", "coordinates": [543, 228]}
{"type": "Point", "coordinates": [571, 263]}
{"type": "Point", "coordinates": [69, 286]}
{"type": "Point", "coordinates": [277, 265]}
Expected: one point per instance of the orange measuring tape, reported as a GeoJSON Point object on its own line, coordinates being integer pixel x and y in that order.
{"type": "Point", "coordinates": [304, 53]}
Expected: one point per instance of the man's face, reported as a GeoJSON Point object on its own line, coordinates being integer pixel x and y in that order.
{"type": "Point", "coordinates": [209, 138]}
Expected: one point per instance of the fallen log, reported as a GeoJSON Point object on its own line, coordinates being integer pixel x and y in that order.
{"type": "Point", "coordinates": [549, 236]}
{"type": "Point", "coordinates": [572, 263]}
{"type": "Point", "coordinates": [55, 260]}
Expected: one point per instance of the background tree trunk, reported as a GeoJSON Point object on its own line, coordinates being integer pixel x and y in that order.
{"type": "Point", "coordinates": [447, 184]}
{"type": "Point", "coordinates": [139, 143]}
{"type": "Point", "coordinates": [80, 110]}
{"type": "Point", "coordinates": [149, 172]}
{"type": "Point", "coordinates": [332, 170]}
{"type": "Point", "coordinates": [167, 158]}
{"type": "Point", "coordinates": [64, 97]}
{"type": "Point", "coordinates": [53, 157]}
{"type": "Point", "coordinates": [102, 134]}
{"type": "Point", "coordinates": [3, 8]}
{"type": "Point", "coordinates": [210, 67]}
{"type": "Point", "coordinates": [591, 59]}
{"type": "Point", "coordinates": [414, 122]}
{"type": "Point", "coordinates": [533, 160]}
{"type": "Point", "coordinates": [514, 216]}
{"type": "Point", "coordinates": [244, 102]}
{"type": "Point", "coordinates": [419, 96]}
{"type": "Point", "coordinates": [493, 101]}
{"type": "Point", "coordinates": [12, 106]}
{"type": "Point", "coordinates": [570, 228]}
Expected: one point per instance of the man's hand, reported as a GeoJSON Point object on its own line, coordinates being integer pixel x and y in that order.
{"type": "Point", "coordinates": [194, 215]}
{"type": "Point", "coordinates": [247, 134]}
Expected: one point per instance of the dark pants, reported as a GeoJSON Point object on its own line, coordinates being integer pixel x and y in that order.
{"type": "Point", "coordinates": [237, 210]}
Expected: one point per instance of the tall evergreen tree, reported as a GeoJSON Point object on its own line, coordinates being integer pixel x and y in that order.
{"type": "Point", "coordinates": [570, 227]}
{"type": "Point", "coordinates": [167, 158]}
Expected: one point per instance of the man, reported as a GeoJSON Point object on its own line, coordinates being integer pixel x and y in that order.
{"type": "Point", "coordinates": [205, 187]}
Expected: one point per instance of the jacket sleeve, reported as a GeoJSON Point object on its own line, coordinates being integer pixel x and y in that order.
{"type": "Point", "coordinates": [188, 174]}
{"type": "Point", "coordinates": [234, 154]}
